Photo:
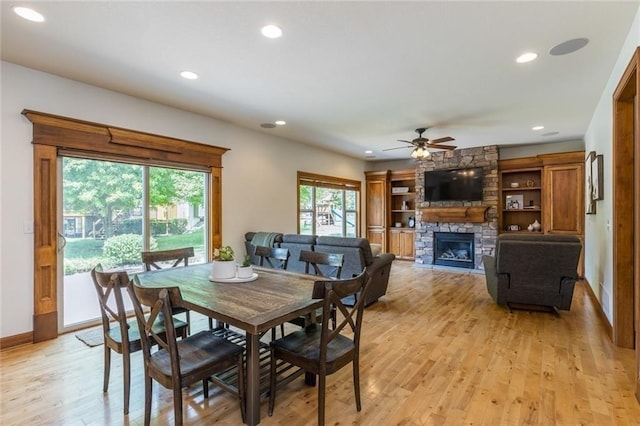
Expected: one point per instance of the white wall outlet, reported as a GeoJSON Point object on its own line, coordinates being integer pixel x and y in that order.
{"type": "Point", "coordinates": [27, 227]}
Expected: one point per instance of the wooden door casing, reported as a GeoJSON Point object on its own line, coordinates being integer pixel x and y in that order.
{"type": "Point", "coordinates": [53, 135]}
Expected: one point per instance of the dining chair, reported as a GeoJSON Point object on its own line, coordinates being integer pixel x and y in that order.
{"type": "Point", "coordinates": [316, 259]}
{"type": "Point", "coordinates": [120, 335]}
{"type": "Point", "coordinates": [321, 349]}
{"type": "Point", "coordinates": [174, 258]}
{"type": "Point", "coordinates": [177, 364]}
{"type": "Point", "coordinates": [276, 257]}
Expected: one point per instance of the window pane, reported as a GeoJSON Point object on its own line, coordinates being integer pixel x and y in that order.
{"type": "Point", "coordinates": [306, 197]}
{"type": "Point", "coordinates": [100, 200]}
{"type": "Point", "coordinates": [306, 223]}
{"type": "Point", "coordinates": [176, 210]}
{"type": "Point", "coordinates": [351, 200]}
{"type": "Point", "coordinates": [351, 224]}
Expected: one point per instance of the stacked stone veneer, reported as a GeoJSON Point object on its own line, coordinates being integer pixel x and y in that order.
{"type": "Point", "coordinates": [484, 233]}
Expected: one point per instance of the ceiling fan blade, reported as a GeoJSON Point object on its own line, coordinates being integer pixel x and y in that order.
{"type": "Point", "coordinates": [399, 147]}
{"type": "Point", "coordinates": [440, 140]}
{"type": "Point", "coordinates": [447, 147]}
{"type": "Point", "coordinates": [402, 140]}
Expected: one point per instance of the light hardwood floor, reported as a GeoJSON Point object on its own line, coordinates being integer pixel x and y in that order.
{"type": "Point", "coordinates": [436, 351]}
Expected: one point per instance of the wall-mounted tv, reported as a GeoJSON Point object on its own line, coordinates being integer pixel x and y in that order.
{"type": "Point", "coordinates": [454, 185]}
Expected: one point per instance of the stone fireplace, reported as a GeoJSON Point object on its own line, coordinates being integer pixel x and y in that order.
{"type": "Point", "coordinates": [474, 222]}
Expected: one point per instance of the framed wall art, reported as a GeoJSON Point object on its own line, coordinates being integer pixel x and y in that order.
{"type": "Point", "coordinates": [597, 181]}
{"type": "Point", "coordinates": [590, 204]}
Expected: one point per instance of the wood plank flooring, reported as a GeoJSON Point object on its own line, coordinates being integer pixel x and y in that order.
{"type": "Point", "coordinates": [435, 351]}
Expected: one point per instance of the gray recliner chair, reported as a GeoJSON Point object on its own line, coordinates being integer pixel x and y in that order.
{"type": "Point", "coordinates": [533, 269]}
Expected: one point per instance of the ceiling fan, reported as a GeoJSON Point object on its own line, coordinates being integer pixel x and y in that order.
{"type": "Point", "coordinates": [421, 144]}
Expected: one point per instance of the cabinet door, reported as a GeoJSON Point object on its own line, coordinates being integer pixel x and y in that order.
{"type": "Point", "coordinates": [394, 242]}
{"type": "Point", "coordinates": [376, 203]}
{"type": "Point", "coordinates": [377, 236]}
{"type": "Point", "coordinates": [564, 199]}
{"type": "Point", "coordinates": [407, 244]}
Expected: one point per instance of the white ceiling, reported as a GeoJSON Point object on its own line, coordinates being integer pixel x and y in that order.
{"type": "Point", "coordinates": [349, 76]}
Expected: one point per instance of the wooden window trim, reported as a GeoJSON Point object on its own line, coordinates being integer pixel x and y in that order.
{"type": "Point", "coordinates": [54, 136]}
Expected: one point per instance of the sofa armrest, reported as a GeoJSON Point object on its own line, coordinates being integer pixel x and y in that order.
{"type": "Point", "coordinates": [491, 276]}
{"type": "Point", "coordinates": [379, 271]}
{"type": "Point", "coordinates": [567, 285]}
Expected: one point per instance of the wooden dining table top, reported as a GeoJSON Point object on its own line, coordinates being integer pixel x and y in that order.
{"type": "Point", "coordinates": [274, 297]}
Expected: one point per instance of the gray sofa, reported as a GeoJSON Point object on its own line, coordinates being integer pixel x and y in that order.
{"type": "Point", "coordinates": [533, 269]}
{"type": "Point", "coordinates": [357, 256]}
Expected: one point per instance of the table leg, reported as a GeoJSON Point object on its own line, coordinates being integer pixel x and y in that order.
{"type": "Point", "coordinates": [253, 379]}
{"type": "Point", "coordinates": [309, 378]}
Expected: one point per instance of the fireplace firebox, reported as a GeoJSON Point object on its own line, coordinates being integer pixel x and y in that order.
{"type": "Point", "coordinates": [453, 249]}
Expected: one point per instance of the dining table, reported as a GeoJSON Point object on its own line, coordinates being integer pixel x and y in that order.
{"type": "Point", "coordinates": [255, 305]}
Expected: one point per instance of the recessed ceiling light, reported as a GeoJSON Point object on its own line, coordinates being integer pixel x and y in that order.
{"type": "Point", "coordinates": [281, 122]}
{"type": "Point", "coordinates": [271, 31]}
{"type": "Point", "coordinates": [189, 75]}
{"type": "Point", "coordinates": [526, 57]}
{"type": "Point", "coordinates": [368, 152]}
{"type": "Point", "coordinates": [28, 14]}
{"type": "Point", "coordinates": [568, 46]}
{"type": "Point", "coordinates": [537, 128]}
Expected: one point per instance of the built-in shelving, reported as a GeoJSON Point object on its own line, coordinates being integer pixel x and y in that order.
{"type": "Point", "coordinates": [520, 199]}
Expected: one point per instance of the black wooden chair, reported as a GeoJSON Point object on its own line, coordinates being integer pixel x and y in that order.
{"type": "Point", "coordinates": [172, 258]}
{"type": "Point", "coordinates": [317, 258]}
{"type": "Point", "coordinates": [320, 349]}
{"type": "Point", "coordinates": [276, 257]}
{"type": "Point", "coordinates": [120, 335]}
{"type": "Point", "coordinates": [177, 364]}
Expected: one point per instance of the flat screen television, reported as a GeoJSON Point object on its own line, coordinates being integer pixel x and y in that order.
{"type": "Point", "coordinates": [454, 185]}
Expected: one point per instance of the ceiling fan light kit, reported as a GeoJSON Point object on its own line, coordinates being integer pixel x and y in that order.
{"type": "Point", "coordinates": [421, 144]}
{"type": "Point", "coordinates": [420, 152]}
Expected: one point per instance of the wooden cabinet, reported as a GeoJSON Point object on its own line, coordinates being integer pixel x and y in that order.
{"type": "Point", "coordinates": [376, 214]}
{"type": "Point", "coordinates": [402, 243]}
{"type": "Point", "coordinates": [548, 188]}
{"type": "Point", "coordinates": [564, 189]}
{"type": "Point", "coordinates": [391, 201]}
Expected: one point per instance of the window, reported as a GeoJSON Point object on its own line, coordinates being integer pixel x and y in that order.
{"type": "Point", "coordinates": [328, 205]}
{"type": "Point", "coordinates": [56, 136]}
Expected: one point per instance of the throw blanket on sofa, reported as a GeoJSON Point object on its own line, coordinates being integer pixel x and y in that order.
{"type": "Point", "coordinates": [264, 239]}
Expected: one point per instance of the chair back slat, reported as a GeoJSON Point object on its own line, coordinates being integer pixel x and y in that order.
{"type": "Point", "coordinates": [317, 258]}
{"type": "Point", "coordinates": [276, 257]}
{"type": "Point", "coordinates": [177, 256]}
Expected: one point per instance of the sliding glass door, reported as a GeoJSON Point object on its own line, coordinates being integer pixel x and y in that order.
{"type": "Point", "coordinates": [111, 212]}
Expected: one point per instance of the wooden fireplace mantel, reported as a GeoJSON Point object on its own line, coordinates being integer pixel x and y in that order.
{"type": "Point", "coordinates": [473, 214]}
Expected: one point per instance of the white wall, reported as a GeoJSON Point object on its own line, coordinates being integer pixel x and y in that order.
{"type": "Point", "coordinates": [531, 150]}
{"type": "Point", "coordinates": [258, 179]}
{"type": "Point", "coordinates": [599, 135]}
